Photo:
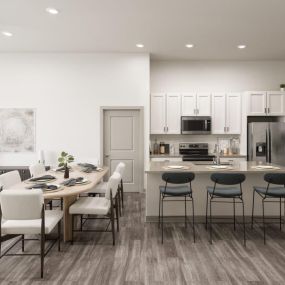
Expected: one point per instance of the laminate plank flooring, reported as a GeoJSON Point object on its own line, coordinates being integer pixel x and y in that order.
{"type": "Point", "coordinates": [140, 258]}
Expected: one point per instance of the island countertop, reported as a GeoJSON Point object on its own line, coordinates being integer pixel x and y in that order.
{"type": "Point", "coordinates": [240, 166]}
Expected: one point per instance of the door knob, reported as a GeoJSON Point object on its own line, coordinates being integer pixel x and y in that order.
{"type": "Point", "coordinates": [106, 155]}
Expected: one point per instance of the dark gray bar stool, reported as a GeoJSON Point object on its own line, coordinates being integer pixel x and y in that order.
{"type": "Point", "coordinates": [167, 192]}
{"type": "Point", "coordinates": [271, 194]}
{"type": "Point", "coordinates": [233, 192]}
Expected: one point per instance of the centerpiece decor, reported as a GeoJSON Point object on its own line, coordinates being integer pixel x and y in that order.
{"type": "Point", "coordinates": [64, 160]}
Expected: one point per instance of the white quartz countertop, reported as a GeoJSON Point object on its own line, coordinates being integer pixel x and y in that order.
{"type": "Point", "coordinates": [241, 166]}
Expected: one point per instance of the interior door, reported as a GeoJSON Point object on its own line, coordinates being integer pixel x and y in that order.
{"type": "Point", "coordinates": [158, 114]}
{"type": "Point", "coordinates": [122, 143]}
{"type": "Point", "coordinates": [203, 104]}
{"type": "Point", "coordinates": [173, 113]}
{"type": "Point", "coordinates": [233, 107]}
{"type": "Point", "coordinates": [275, 103]}
{"type": "Point", "coordinates": [219, 113]}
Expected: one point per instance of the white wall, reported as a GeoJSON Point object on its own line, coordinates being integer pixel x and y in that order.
{"type": "Point", "coordinates": [209, 76]}
{"type": "Point", "coordinates": [67, 91]}
{"type": "Point", "coordinates": [216, 76]}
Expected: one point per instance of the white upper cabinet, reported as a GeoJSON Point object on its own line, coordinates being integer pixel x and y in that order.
{"type": "Point", "coordinates": [264, 103]}
{"type": "Point", "coordinates": [173, 113]}
{"type": "Point", "coordinates": [218, 113]}
{"type": "Point", "coordinates": [275, 103]}
{"type": "Point", "coordinates": [196, 104]}
{"type": "Point", "coordinates": [203, 104]}
{"type": "Point", "coordinates": [188, 104]}
{"type": "Point", "coordinates": [226, 113]}
{"type": "Point", "coordinates": [233, 111]}
{"type": "Point", "coordinates": [158, 113]}
{"type": "Point", "coordinates": [165, 113]}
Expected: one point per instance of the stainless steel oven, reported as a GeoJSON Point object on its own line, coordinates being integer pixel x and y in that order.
{"type": "Point", "coordinates": [195, 125]}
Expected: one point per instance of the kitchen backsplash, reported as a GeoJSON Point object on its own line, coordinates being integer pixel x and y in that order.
{"type": "Point", "coordinates": [176, 139]}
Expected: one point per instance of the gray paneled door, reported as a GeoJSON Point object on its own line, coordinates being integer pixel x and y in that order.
{"type": "Point", "coordinates": [122, 143]}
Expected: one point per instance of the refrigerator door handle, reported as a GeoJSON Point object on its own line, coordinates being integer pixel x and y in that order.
{"type": "Point", "coordinates": [269, 145]}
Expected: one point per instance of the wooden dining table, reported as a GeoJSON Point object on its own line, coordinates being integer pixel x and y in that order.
{"type": "Point", "coordinates": [69, 194]}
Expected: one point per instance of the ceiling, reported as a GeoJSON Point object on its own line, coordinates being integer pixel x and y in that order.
{"type": "Point", "coordinates": [215, 27]}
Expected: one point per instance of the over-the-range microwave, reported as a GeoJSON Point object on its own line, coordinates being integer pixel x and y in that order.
{"type": "Point", "coordinates": [194, 125]}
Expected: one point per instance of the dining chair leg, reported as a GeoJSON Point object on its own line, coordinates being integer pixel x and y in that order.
{"type": "Point", "coordinates": [243, 219]}
{"type": "Point", "coordinates": [117, 212]}
{"type": "Point", "coordinates": [58, 234]}
{"type": "Point", "coordinates": [280, 219]}
{"type": "Point", "coordinates": [206, 224]}
{"type": "Point", "coordinates": [81, 222]}
{"type": "Point", "coordinates": [234, 205]}
{"type": "Point", "coordinates": [185, 215]}
{"type": "Point", "coordinates": [193, 220]}
{"type": "Point", "coordinates": [72, 228]}
{"type": "Point", "coordinates": [61, 204]}
{"type": "Point", "coordinates": [159, 210]}
{"type": "Point", "coordinates": [42, 253]}
{"type": "Point", "coordinates": [162, 220]}
{"type": "Point", "coordinates": [23, 243]}
{"type": "Point", "coordinates": [122, 193]}
{"type": "Point", "coordinates": [252, 214]}
{"type": "Point", "coordinates": [112, 222]}
{"type": "Point", "coordinates": [263, 219]}
{"type": "Point", "coordinates": [50, 205]}
{"type": "Point", "coordinates": [211, 221]}
{"type": "Point", "coordinates": [119, 201]}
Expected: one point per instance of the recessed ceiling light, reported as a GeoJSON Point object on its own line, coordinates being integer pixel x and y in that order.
{"type": "Point", "coordinates": [189, 45]}
{"type": "Point", "coordinates": [52, 11]}
{"type": "Point", "coordinates": [7, 34]}
{"type": "Point", "coordinates": [139, 45]}
{"type": "Point", "coordinates": [241, 46]}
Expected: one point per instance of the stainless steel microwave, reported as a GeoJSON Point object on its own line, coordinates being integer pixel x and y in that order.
{"type": "Point", "coordinates": [195, 125]}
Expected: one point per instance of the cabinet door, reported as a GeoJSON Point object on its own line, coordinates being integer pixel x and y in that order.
{"type": "Point", "coordinates": [218, 113]}
{"type": "Point", "coordinates": [173, 113]}
{"type": "Point", "coordinates": [203, 104]}
{"type": "Point", "coordinates": [188, 104]}
{"type": "Point", "coordinates": [257, 103]}
{"type": "Point", "coordinates": [233, 110]}
{"type": "Point", "coordinates": [158, 114]}
{"type": "Point", "coordinates": [275, 103]}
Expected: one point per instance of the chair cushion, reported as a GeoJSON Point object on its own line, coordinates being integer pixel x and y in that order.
{"type": "Point", "coordinates": [181, 190]}
{"type": "Point", "coordinates": [99, 188]}
{"type": "Point", "coordinates": [224, 191]}
{"type": "Point", "coordinates": [91, 206]}
{"type": "Point", "coordinates": [26, 227]}
{"type": "Point", "coordinates": [272, 191]}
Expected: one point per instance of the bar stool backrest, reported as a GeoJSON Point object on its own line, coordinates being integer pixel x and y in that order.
{"type": "Point", "coordinates": [228, 178]}
{"type": "Point", "coordinates": [275, 178]}
{"type": "Point", "coordinates": [178, 177]}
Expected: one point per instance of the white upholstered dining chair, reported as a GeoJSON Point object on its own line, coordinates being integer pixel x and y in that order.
{"type": "Point", "coordinates": [99, 206]}
{"type": "Point", "coordinates": [22, 213]}
{"type": "Point", "coordinates": [9, 179]}
{"type": "Point", "coordinates": [37, 169]}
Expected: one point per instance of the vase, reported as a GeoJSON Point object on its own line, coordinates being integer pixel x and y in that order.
{"type": "Point", "coordinates": [66, 172]}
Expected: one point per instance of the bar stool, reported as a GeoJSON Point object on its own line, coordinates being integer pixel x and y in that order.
{"type": "Point", "coordinates": [275, 194]}
{"type": "Point", "coordinates": [229, 192]}
{"type": "Point", "coordinates": [167, 191]}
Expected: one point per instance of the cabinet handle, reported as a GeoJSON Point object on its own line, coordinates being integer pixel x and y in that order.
{"type": "Point", "coordinates": [265, 110]}
{"type": "Point", "coordinates": [164, 129]}
{"type": "Point", "coordinates": [268, 110]}
{"type": "Point", "coordinates": [228, 129]}
{"type": "Point", "coordinates": [224, 129]}
{"type": "Point", "coordinates": [197, 111]}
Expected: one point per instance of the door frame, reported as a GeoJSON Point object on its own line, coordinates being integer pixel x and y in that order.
{"type": "Point", "coordinates": [140, 109]}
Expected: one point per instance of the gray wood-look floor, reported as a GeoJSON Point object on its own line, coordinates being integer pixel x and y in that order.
{"type": "Point", "coordinates": [140, 258]}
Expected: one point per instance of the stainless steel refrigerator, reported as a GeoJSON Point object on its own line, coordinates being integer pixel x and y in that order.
{"type": "Point", "coordinates": [266, 142]}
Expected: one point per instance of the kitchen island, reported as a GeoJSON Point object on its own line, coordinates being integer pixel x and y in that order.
{"type": "Point", "coordinates": [202, 179]}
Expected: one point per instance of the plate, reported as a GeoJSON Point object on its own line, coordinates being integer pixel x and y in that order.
{"type": "Point", "coordinates": [219, 167]}
{"type": "Point", "coordinates": [40, 181]}
{"type": "Point", "coordinates": [265, 167]}
{"type": "Point", "coordinates": [84, 181]}
{"type": "Point", "coordinates": [177, 167]}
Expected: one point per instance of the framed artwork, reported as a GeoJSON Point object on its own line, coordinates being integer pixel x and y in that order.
{"type": "Point", "coordinates": [17, 130]}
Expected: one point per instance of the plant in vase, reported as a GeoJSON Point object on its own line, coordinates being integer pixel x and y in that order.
{"type": "Point", "coordinates": [64, 160]}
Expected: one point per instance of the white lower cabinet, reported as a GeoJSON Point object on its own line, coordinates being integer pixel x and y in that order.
{"type": "Point", "coordinates": [232, 159]}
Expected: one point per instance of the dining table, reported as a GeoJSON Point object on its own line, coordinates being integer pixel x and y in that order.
{"type": "Point", "coordinates": [69, 194]}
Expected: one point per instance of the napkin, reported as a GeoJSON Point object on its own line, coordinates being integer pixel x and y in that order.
{"type": "Point", "coordinates": [43, 186]}
{"type": "Point", "coordinates": [72, 181]}
{"type": "Point", "coordinates": [87, 167]}
{"type": "Point", "coordinates": [44, 177]}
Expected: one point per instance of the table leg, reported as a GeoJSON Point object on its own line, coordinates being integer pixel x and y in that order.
{"type": "Point", "coordinates": [67, 202]}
